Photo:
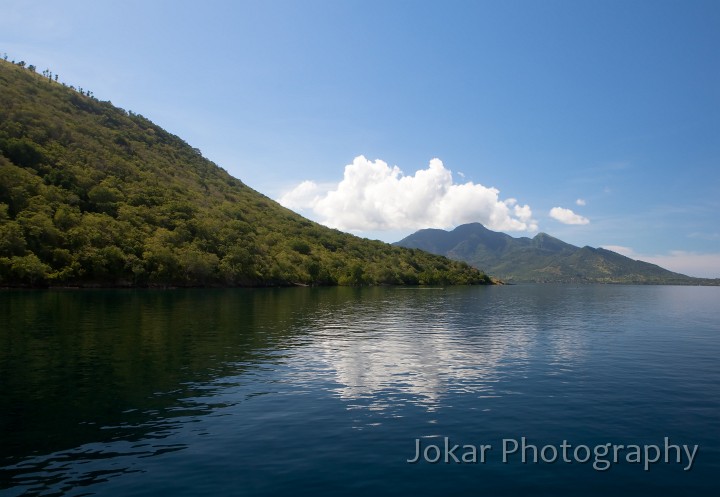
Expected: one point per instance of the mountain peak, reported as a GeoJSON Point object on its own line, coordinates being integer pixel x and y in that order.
{"type": "Point", "coordinates": [543, 258]}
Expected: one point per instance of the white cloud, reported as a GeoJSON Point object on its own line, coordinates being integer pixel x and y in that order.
{"type": "Point", "coordinates": [680, 261]}
{"type": "Point", "coordinates": [566, 216]}
{"type": "Point", "coordinates": [374, 196]}
{"type": "Point", "coordinates": [305, 194]}
{"type": "Point", "coordinates": [580, 202]}
{"type": "Point", "coordinates": [626, 251]}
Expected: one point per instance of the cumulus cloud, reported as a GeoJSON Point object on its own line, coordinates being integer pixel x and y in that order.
{"type": "Point", "coordinates": [305, 194]}
{"type": "Point", "coordinates": [374, 196]}
{"type": "Point", "coordinates": [580, 202]}
{"type": "Point", "coordinates": [567, 216]}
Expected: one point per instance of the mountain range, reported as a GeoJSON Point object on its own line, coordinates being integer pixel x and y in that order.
{"type": "Point", "coordinates": [542, 258]}
{"type": "Point", "coordinates": [93, 195]}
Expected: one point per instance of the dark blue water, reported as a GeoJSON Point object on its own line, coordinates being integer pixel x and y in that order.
{"type": "Point", "coordinates": [328, 391]}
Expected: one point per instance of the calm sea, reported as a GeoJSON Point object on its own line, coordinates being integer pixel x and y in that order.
{"type": "Point", "coordinates": [328, 392]}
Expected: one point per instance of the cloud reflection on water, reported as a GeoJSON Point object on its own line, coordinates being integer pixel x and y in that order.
{"type": "Point", "coordinates": [416, 347]}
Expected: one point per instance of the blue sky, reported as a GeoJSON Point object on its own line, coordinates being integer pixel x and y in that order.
{"type": "Point", "coordinates": [529, 106]}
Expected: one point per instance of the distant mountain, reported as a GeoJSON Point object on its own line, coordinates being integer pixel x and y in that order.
{"type": "Point", "coordinates": [542, 258]}
{"type": "Point", "coordinates": [92, 195]}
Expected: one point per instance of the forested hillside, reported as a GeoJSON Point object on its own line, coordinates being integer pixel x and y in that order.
{"type": "Point", "coordinates": [541, 259]}
{"type": "Point", "coordinates": [92, 195]}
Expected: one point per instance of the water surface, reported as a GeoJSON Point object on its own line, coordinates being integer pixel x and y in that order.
{"type": "Point", "coordinates": [325, 391]}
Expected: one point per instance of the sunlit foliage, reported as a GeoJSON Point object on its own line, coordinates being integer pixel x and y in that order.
{"type": "Point", "coordinates": [93, 195]}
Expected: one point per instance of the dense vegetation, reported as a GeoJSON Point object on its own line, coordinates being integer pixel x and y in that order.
{"type": "Point", "coordinates": [93, 195]}
{"type": "Point", "coordinates": [541, 259]}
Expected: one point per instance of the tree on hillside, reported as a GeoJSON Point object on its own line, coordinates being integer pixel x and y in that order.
{"type": "Point", "coordinates": [91, 194]}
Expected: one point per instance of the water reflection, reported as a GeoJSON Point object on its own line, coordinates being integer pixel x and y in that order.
{"type": "Point", "coordinates": [416, 347]}
{"type": "Point", "coordinates": [93, 382]}
{"type": "Point", "coordinates": [109, 375]}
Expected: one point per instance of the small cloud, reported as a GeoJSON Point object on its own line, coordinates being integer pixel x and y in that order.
{"type": "Point", "coordinates": [373, 196]}
{"type": "Point", "coordinates": [626, 251]}
{"type": "Point", "coordinates": [581, 202]}
{"type": "Point", "coordinates": [462, 175]}
{"type": "Point", "coordinates": [566, 216]}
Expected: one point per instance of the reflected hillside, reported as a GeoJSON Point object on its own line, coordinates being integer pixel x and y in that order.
{"type": "Point", "coordinates": [103, 365]}
{"type": "Point", "coordinates": [117, 364]}
{"type": "Point", "coordinates": [240, 383]}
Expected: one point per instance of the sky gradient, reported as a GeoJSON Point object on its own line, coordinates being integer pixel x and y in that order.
{"type": "Point", "coordinates": [595, 122]}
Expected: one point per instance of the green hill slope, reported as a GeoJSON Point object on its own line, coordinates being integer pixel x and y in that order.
{"type": "Point", "coordinates": [541, 259]}
{"type": "Point", "coordinates": [93, 195]}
